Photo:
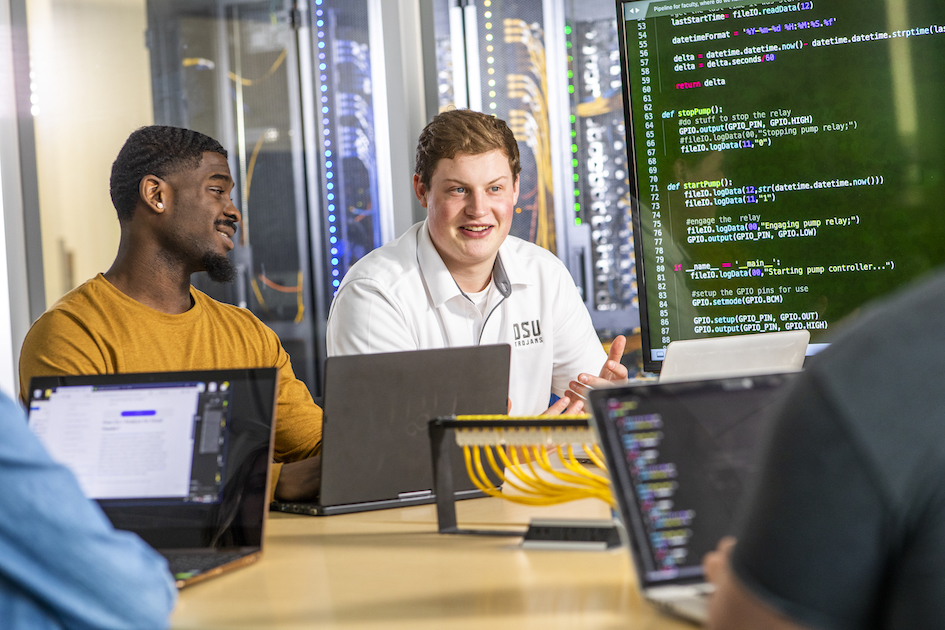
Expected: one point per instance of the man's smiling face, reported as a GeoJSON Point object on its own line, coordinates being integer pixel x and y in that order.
{"type": "Point", "coordinates": [470, 203]}
{"type": "Point", "coordinates": [204, 219]}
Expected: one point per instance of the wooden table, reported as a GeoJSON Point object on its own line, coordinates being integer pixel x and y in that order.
{"type": "Point", "coordinates": [390, 569]}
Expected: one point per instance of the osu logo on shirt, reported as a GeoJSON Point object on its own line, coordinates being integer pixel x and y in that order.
{"type": "Point", "coordinates": [527, 333]}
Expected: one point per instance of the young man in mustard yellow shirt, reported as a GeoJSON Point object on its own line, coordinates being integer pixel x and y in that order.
{"type": "Point", "coordinates": [171, 188]}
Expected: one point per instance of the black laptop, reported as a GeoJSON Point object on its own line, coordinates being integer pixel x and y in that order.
{"type": "Point", "coordinates": [680, 457]}
{"type": "Point", "coordinates": [375, 445]}
{"type": "Point", "coordinates": [180, 458]}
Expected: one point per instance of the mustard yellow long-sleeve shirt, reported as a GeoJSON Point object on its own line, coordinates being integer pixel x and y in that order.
{"type": "Point", "coordinates": [97, 329]}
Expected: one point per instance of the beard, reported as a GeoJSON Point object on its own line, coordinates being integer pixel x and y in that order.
{"type": "Point", "coordinates": [219, 268]}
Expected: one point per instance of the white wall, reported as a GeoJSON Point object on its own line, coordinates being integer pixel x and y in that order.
{"type": "Point", "coordinates": [91, 88]}
{"type": "Point", "coordinates": [14, 309]}
{"type": "Point", "coordinates": [7, 380]}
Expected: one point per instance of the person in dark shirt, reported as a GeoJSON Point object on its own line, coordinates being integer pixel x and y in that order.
{"type": "Point", "coordinates": [846, 525]}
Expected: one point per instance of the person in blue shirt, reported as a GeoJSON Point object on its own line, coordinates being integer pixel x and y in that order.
{"type": "Point", "coordinates": [62, 565]}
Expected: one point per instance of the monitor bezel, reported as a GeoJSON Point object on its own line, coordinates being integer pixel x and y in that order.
{"type": "Point", "coordinates": [649, 365]}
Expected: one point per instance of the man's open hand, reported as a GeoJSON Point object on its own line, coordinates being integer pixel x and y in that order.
{"type": "Point", "coordinates": [612, 372]}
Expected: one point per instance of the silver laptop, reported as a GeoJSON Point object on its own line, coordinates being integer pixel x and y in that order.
{"type": "Point", "coordinates": [179, 458]}
{"type": "Point", "coordinates": [680, 456]}
{"type": "Point", "coordinates": [375, 443]}
{"type": "Point", "coordinates": [718, 357]}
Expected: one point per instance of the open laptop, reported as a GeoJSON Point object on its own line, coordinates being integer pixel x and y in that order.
{"type": "Point", "coordinates": [737, 355]}
{"type": "Point", "coordinates": [375, 443]}
{"type": "Point", "coordinates": [179, 458]}
{"type": "Point", "coordinates": [680, 457]}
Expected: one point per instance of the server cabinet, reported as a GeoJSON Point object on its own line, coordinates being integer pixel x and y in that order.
{"type": "Point", "coordinates": [600, 220]}
{"type": "Point", "coordinates": [287, 88]}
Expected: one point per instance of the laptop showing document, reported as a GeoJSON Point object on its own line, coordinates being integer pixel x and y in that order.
{"type": "Point", "coordinates": [180, 458]}
{"type": "Point", "coordinates": [375, 444]}
{"type": "Point", "coordinates": [737, 355]}
{"type": "Point", "coordinates": [680, 457]}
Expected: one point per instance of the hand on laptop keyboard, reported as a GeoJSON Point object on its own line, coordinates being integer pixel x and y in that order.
{"type": "Point", "coordinates": [300, 481]}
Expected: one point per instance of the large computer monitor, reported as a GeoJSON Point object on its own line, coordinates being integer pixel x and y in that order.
{"type": "Point", "coordinates": [788, 160]}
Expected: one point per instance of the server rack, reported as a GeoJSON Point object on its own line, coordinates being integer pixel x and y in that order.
{"type": "Point", "coordinates": [287, 87]}
{"type": "Point", "coordinates": [601, 190]}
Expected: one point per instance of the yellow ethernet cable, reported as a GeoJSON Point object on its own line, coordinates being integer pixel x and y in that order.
{"type": "Point", "coordinates": [518, 454]}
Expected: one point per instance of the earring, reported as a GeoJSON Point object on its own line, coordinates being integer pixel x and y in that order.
{"type": "Point", "coordinates": [160, 205]}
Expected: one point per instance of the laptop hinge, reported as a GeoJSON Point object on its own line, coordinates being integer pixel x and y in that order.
{"type": "Point", "coordinates": [416, 494]}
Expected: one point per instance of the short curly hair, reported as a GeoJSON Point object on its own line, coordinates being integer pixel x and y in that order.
{"type": "Point", "coordinates": [156, 150]}
{"type": "Point", "coordinates": [463, 131]}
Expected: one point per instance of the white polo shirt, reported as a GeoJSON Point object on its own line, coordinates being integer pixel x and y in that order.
{"type": "Point", "coordinates": [402, 297]}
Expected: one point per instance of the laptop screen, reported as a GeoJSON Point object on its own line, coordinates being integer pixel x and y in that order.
{"type": "Point", "coordinates": [377, 410]}
{"type": "Point", "coordinates": [181, 458]}
{"type": "Point", "coordinates": [718, 357]}
{"type": "Point", "coordinates": [141, 443]}
{"type": "Point", "coordinates": [681, 456]}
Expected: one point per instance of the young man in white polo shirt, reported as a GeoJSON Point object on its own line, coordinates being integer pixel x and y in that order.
{"type": "Point", "coordinates": [458, 279]}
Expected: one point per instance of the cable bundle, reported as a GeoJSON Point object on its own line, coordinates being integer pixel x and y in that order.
{"type": "Point", "coordinates": [530, 123]}
{"type": "Point", "coordinates": [524, 453]}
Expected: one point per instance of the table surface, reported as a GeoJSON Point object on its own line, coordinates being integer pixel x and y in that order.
{"type": "Point", "coordinates": [390, 569]}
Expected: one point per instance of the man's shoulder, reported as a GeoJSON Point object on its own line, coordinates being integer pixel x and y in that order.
{"type": "Point", "coordinates": [894, 333]}
{"type": "Point", "coordinates": [531, 264]}
{"type": "Point", "coordinates": [89, 302]}
{"type": "Point", "coordinates": [883, 385]}
{"type": "Point", "coordinates": [389, 265]}
{"type": "Point", "coordinates": [90, 291]}
{"type": "Point", "coordinates": [530, 254]}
